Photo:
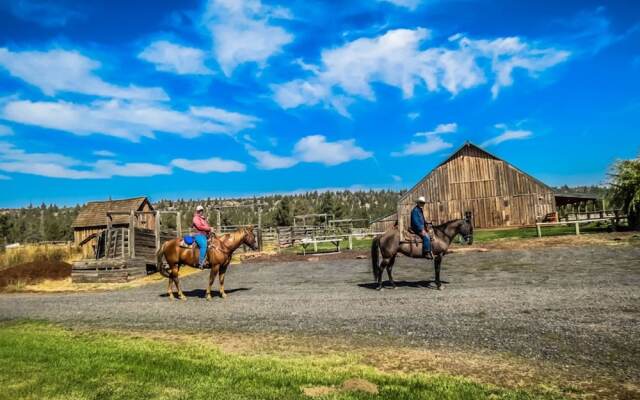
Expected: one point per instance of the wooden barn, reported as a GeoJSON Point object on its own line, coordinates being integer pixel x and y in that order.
{"type": "Point", "coordinates": [93, 218]}
{"type": "Point", "coordinates": [383, 224]}
{"type": "Point", "coordinates": [472, 179]}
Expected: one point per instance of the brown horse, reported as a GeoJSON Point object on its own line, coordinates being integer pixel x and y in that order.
{"type": "Point", "coordinates": [219, 252]}
{"type": "Point", "coordinates": [388, 245]}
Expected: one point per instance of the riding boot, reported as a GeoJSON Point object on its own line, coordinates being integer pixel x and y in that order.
{"type": "Point", "coordinates": [428, 255]}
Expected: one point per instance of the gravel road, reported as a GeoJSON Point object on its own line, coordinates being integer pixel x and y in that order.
{"type": "Point", "coordinates": [576, 305]}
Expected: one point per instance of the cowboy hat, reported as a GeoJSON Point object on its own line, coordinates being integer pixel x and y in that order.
{"type": "Point", "coordinates": [199, 208]}
{"type": "Point", "coordinates": [421, 199]}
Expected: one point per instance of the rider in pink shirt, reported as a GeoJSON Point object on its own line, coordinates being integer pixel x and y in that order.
{"type": "Point", "coordinates": [203, 229]}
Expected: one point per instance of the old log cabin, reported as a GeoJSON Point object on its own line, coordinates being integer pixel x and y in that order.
{"type": "Point", "coordinates": [94, 217]}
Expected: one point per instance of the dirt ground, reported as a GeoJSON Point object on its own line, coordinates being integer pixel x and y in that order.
{"type": "Point", "coordinates": [575, 308]}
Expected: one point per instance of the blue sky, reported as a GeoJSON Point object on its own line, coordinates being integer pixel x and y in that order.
{"type": "Point", "coordinates": [223, 98]}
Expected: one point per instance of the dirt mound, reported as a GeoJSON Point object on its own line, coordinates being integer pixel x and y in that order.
{"type": "Point", "coordinates": [34, 272]}
{"type": "Point", "coordinates": [361, 385]}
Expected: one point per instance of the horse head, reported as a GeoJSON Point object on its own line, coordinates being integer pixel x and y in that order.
{"type": "Point", "coordinates": [466, 229]}
{"type": "Point", "coordinates": [249, 238]}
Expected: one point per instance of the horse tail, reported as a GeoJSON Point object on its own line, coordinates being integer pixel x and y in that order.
{"type": "Point", "coordinates": [160, 264]}
{"type": "Point", "coordinates": [375, 257]}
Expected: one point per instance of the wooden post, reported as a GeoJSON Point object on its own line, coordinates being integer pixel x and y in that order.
{"type": "Point", "coordinates": [218, 221]}
{"type": "Point", "coordinates": [539, 229]}
{"type": "Point", "coordinates": [179, 223]}
{"type": "Point", "coordinates": [157, 230]}
{"type": "Point", "coordinates": [132, 236]}
{"type": "Point", "coordinates": [350, 242]}
{"type": "Point", "coordinates": [577, 227]}
{"type": "Point", "coordinates": [259, 228]}
{"type": "Point", "coordinates": [315, 243]}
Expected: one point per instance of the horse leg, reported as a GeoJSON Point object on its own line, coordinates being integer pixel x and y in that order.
{"type": "Point", "coordinates": [175, 272]}
{"type": "Point", "coordinates": [389, 268]}
{"type": "Point", "coordinates": [212, 278]}
{"type": "Point", "coordinates": [383, 265]}
{"type": "Point", "coordinates": [223, 269]}
{"type": "Point", "coordinates": [169, 288]}
{"type": "Point", "coordinates": [436, 264]}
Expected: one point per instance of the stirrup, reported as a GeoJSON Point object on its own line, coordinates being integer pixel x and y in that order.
{"type": "Point", "coordinates": [428, 255]}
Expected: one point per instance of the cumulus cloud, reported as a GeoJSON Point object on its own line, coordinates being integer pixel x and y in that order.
{"type": "Point", "coordinates": [59, 70]}
{"type": "Point", "coordinates": [399, 58]}
{"type": "Point", "coordinates": [432, 144]}
{"type": "Point", "coordinates": [508, 134]}
{"type": "Point", "coordinates": [442, 128]}
{"type": "Point", "coordinates": [242, 31]}
{"type": "Point", "coordinates": [171, 57]}
{"type": "Point", "coordinates": [312, 149]}
{"type": "Point", "coordinates": [409, 4]}
{"type": "Point", "coordinates": [124, 119]}
{"type": "Point", "coordinates": [213, 164]}
{"type": "Point", "coordinates": [55, 165]}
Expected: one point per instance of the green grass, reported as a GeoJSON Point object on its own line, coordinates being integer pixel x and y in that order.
{"type": "Point", "coordinates": [42, 361]}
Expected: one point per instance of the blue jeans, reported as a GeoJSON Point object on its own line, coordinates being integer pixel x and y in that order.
{"type": "Point", "coordinates": [426, 243]}
{"type": "Point", "coordinates": [201, 240]}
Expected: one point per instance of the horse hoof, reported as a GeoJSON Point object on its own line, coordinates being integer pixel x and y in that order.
{"type": "Point", "coordinates": [440, 287]}
{"type": "Point", "coordinates": [183, 298]}
{"type": "Point", "coordinates": [224, 296]}
{"type": "Point", "coordinates": [208, 297]}
{"type": "Point", "coordinates": [379, 288]}
{"type": "Point", "coordinates": [171, 298]}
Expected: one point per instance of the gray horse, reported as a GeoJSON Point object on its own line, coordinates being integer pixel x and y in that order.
{"type": "Point", "coordinates": [388, 245]}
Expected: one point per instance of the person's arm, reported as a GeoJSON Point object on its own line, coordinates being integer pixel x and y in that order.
{"type": "Point", "coordinates": [417, 222]}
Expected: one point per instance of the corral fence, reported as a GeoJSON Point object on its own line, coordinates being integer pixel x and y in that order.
{"type": "Point", "coordinates": [287, 236]}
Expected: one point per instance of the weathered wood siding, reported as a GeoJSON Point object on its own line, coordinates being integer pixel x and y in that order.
{"type": "Point", "coordinates": [498, 194]}
{"type": "Point", "coordinates": [384, 224]}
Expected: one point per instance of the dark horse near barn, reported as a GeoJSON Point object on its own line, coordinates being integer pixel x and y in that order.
{"type": "Point", "coordinates": [389, 244]}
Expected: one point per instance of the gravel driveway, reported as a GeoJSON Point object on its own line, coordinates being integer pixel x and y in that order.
{"type": "Point", "coordinates": [577, 305]}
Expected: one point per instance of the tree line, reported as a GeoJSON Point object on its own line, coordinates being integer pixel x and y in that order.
{"type": "Point", "coordinates": [53, 223]}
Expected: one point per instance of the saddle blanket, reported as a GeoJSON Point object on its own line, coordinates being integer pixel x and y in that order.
{"type": "Point", "coordinates": [187, 242]}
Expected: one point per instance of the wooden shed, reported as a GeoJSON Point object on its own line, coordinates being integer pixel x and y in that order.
{"type": "Point", "coordinates": [474, 180]}
{"type": "Point", "coordinates": [93, 218]}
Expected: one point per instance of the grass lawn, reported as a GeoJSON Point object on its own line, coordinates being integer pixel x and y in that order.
{"type": "Point", "coordinates": [43, 361]}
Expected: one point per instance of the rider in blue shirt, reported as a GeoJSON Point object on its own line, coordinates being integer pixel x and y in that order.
{"type": "Point", "coordinates": [419, 226]}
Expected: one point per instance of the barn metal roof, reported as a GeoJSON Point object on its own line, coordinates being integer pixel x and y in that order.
{"type": "Point", "coordinates": [94, 213]}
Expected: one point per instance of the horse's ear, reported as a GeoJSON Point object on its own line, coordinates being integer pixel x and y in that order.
{"type": "Point", "coordinates": [250, 228]}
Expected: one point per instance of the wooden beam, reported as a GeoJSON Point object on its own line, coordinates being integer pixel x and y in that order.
{"type": "Point", "coordinates": [157, 230]}
{"type": "Point", "coordinates": [132, 236]}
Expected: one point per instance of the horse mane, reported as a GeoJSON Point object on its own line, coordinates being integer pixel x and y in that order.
{"type": "Point", "coordinates": [444, 225]}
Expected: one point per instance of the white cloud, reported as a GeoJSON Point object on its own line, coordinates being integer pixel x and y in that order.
{"type": "Point", "coordinates": [104, 153]}
{"type": "Point", "coordinates": [54, 165]}
{"type": "Point", "coordinates": [442, 128]}
{"type": "Point", "coordinates": [312, 149]}
{"type": "Point", "coordinates": [432, 145]}
{"type": "Point", "coordinates": [267, 160]}
{"type": "Point", "coordinates": [123, 119]}
{"type": "Point", "coordinates": [315, 148]}
{"type": "Point", "coordinates": [399, 58]}
{"type": "Point", "coordinates": [58, 70]}
{"type": "Point", "coordinates": [213, 164]}
{"type": "Point", "coordinates": [507, 135]}
{"type": "Point", "coordinates": [396, 178]}
{"type": "Point", "coordinates": [242, 32]}
{"type": "Point", "coordinates": [5, 130]}
{"type": "Point", "coordinates": [409, 4]}
{"type": "Point", "coordinates": [171, 57]}
{"type": "Point", "coordinates": [4, 177]}
{"type": "Point", "coordinates": [413, 115]}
